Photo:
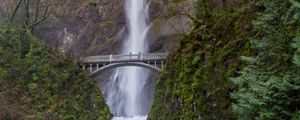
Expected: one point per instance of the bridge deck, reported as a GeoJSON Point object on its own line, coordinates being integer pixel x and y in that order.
{"type": "Point", "coordinates": [126, 58]}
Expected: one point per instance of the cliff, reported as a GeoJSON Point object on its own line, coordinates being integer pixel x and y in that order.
{"type": "Point", "coordinates": [195, 84]}
{"type": "Point", "coordinates": [230, 59]}
{"type": "Point", "coordinates": [44, 84]}
{"type": "Point", "coordinates": [96, 27]}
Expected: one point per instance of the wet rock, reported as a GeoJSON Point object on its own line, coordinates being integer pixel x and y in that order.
{"type": "Point", "coordinates": [94, 27]}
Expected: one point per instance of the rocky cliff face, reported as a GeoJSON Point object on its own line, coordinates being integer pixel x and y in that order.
{"type": "Point", "coordinates": [84, 27]}
{"type": "Point", "coordinates": [168, 21]}
{"type": "Point", "coordinates": [96, 27]}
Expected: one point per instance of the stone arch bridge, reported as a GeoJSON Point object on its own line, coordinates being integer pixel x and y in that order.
{"type": "Point", "coordinates": [96, 65]}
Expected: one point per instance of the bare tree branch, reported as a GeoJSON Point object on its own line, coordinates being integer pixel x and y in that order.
{"type": "Point", "coordinates": [27, 14]}
{"type": "Point", "coordinates": [191, 17]}
{"type": "Point", "coordinates": [15, 10]}
{"type": "Point", "coordinates": [45, 16]}
{"type": "Point", "coordinates": [37, 10]}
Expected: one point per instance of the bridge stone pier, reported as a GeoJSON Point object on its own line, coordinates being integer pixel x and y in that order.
{"type": "Point", "coordinates": [95, 65]}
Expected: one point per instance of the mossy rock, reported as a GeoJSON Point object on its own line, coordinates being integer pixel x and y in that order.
{"type": "Point", "coordinates": [195, 82]}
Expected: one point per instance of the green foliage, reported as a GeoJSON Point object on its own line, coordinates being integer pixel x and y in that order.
{"type": "Point", "coordinates": [44, 84]}
{"type": "Point", "coordinates": [296, 45]}
{"type": "Point", "coordinates": [268, 86]}
{"type": "Point", "coordinates": [295, 3]}
{"type": "Point", "coordinates": [195, 82]}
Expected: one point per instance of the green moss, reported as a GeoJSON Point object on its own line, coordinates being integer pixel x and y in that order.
{"type": "Point", "coordinates": [195, 83]}
{"type": "Point", "coordinates": [44, 84]}
{"type": "Point", "coordinates": [105, 24]}
{"type": "Point", "coordinates": [92, 2]}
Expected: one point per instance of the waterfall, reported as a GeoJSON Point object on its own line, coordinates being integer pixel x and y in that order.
{"type": "Point", "coordinates": [127, 93]}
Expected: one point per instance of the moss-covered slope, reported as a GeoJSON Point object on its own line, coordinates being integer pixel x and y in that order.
{"type": "Point", "coordinates": [195, 82]}
{"type": "Point", "coordinates": [44, 84]}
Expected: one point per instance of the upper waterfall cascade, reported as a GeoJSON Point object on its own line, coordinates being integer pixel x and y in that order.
{"type": "Point", "coordinates": [127, 93]}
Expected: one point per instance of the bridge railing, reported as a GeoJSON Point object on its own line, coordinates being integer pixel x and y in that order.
{"type": "Point", "coordinates": [154, 56]}
{"type": "Point", "coordinates": [124, 58]}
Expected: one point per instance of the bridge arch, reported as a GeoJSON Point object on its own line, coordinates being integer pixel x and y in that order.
{"type": "Point", "coordinates": [123, 64]}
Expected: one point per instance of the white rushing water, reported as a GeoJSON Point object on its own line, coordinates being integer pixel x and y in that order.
{"type": "Point", "coordinates": [131, 118]}
{"type": "Point", "coordinates": [127, 93]}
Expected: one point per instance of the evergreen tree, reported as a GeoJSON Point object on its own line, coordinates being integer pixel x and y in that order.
{"type": "Point", "coordinates": [268, 88]}
{"type": "Point", "coordinates": [296, 45]}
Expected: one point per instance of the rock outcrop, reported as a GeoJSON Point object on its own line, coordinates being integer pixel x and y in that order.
{"type": "Point", "coordinates": [96, 27]}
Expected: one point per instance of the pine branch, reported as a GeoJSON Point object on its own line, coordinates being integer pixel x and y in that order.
{"type": "Point", "coordinates": [295, 3]}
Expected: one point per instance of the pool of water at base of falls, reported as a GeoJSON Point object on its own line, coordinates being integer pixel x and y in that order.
{"type": "Point", "coordinates": [130, 118]}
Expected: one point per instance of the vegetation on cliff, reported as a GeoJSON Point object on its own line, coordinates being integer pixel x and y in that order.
{"type": "Point", "coordinates": [238, 62]}
{"type": "Point", "coordinates": [195, 83]}
{"type": "Point", "coordinates": [269, 86]}
{"type": "Point", "coordinates": [42, 84]}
